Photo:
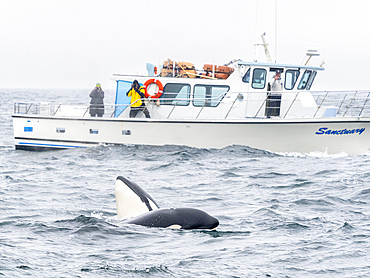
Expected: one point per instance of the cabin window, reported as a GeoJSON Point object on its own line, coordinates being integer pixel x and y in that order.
{"type": "Point", "coordinates": [176, 94]}
{"type": "Point", "coordinates": [94, 131]}
{"type": "Point", "coordinates": [310, 81]}
{"type": "Point", "coordinates": [208, 95]}
{"type": "Point", "coordinates": [291, 77]}
{"type": "Point", "coordinates": [259, 78]}
{"type": "Point", "coordinates": [303, 83]}
{"type": "Point", "coordinates": [246, 76]}
{"type": "Point", "coordinates": [61, 130]}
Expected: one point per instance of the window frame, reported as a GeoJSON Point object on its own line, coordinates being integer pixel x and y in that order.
{"type": "Point", "coordinates": [264, 85]}
{"type": "Point", "coordinates": [206, 99]}
{"type": "Point", "coordinates": [311, 80]}
{"type": "Point", "coordinates": [60, 130]}
{"type": "Point", "coordinates": [247, 76]}
{"type": "Point", "coordinates": [171, 102]}
{"type": "Point", "coordinates": [295, 82]}
{"type": "Point", "coordinates": [303, 76]}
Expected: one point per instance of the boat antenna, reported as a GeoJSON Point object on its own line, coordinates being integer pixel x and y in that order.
{"type": "Point", "coordinates": [275, 28]}
{"type": "Point", "coordinates": [309, 53]}
{"type": "Point", "coordinates": [255, 32]}
{"type": "Point", "coordinates": [266, 47]}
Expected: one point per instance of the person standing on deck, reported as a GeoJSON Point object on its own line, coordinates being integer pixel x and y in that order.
{"type": "Point", "coordinates": [276, 84]}
{"type": "Point", "coordinates": [137, 93]}
{"type": "Point", "coordinates": [273, 100]}
{"type": "Point", "coordinates": [97, 102]}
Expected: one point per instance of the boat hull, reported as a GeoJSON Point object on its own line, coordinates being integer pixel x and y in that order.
{"type": "Point", "coordinates": [330, 135]}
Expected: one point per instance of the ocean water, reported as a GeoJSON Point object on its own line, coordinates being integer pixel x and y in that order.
{"type": "Point", "coordinates": [281, 215]}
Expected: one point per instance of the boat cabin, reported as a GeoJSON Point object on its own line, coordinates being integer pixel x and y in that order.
{"type": "Point", "coordinates": [236, 91]}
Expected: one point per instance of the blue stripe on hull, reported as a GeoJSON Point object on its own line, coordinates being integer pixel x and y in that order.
{"type": "Point", "coordinates": [49, 145]}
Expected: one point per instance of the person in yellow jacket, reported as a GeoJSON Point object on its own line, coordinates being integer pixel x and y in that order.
{"type": "Point", "coordinates": [137, 104]}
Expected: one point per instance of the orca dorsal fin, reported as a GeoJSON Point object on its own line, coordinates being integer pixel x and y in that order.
{"type": "Point", "coordinates": [131, 199]}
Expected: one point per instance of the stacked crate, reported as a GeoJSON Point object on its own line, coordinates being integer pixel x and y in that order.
{"type": "Point", "coordinates": [182, 69]}
{"type": "Point", "coordinates": [220, 72]}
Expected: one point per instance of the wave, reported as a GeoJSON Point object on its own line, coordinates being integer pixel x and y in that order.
{"type": "Point", "coordinates": [290, 226]}
{"type": "Point", "coordinates": [119, 269]}
{"type": "Point", "coordinates": [312, 154]}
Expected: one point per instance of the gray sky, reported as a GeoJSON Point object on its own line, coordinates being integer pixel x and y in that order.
{"type": "Point", "coordinates": [76, 43]}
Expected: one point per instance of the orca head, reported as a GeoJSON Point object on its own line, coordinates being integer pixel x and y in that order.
{"type": "Point", "coordinates": [131, 199]}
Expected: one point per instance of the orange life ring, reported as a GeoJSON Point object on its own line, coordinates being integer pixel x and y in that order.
{"type": "Point", "coordinates": [158, 83]}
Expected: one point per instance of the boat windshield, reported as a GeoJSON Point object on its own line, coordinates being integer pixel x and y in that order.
{"type": "Point", "coordinates": [303, 83]}
{"type": "Point", "coordinates": [310, 81]}
{"type": "Point", "coordinates": [291, 77]}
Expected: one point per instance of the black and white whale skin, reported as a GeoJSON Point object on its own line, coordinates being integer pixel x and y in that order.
{"type": "Point", "coordinates": [140, 209]}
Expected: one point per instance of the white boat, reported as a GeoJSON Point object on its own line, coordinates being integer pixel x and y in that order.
{"type": "Point", "coordinates": [213, 108]}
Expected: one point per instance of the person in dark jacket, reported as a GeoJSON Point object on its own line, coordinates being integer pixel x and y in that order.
{"type": "Point", "coordinates": [97, 103]}
{"type": "Point", "coordinates": [137, 94]}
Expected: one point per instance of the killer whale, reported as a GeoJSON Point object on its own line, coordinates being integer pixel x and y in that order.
{"type": "Point", "coordinates": [139, 207]}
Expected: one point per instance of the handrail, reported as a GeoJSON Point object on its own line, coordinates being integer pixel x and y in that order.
{"type": "Point", "coordinates": [340, 106]}
{"type": "Point", "coordinates": [168, 116]}
{"type": "Point", "coordinates": [363, 106]}
{"type": "Point", "coordinates": [87, 109]}
{"type": "Point", "coordinates": [208, 100]}
{"type": "Point", "coordinates": [232, 105]}
{"type": "Point", "coordinates": [264, 102]}
{"type": "Point", "coordinates": [291, 105]}
{"type": "Point", "coordinates": [320, 105]}
{"type": "Point", "coordinates": [349, 105]}
{"type": "Point", "coordinates": [58, 109]}
{"type": "Point", "coordinates": [29, 108]}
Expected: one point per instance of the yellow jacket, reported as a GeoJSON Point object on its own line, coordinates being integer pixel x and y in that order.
{"type": "Point", "coordinates": [136, 97]}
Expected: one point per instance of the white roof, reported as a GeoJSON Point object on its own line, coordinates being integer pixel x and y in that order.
{"type": "Point", "coordinates": [276, 65]}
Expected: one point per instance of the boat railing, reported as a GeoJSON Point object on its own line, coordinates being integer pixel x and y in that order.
{"type": "Point", "coordinates": [349, 103]}
{"type": "Point", "coordinates": [63, 110]}
{"type": "Point", "coordinates": [176, 102]}
{"type": "Point", "coordinates": [287, 104]}
{"type": "Point", "coordinates": [283, 104]}
{"type": "Point", "coordinates": [314, 104]}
